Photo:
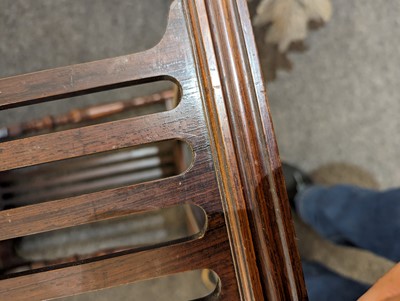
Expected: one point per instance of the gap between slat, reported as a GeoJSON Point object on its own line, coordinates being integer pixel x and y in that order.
{"type": "Point", "coordinates": [143, 265]}
{"type": "Point", "coordinates": [103, 205]}
{"type": "Point", "coordinates": [88, 140]}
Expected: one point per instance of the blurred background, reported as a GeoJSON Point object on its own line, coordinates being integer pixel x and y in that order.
{"type": "Point", "coordinates": [333, 93]}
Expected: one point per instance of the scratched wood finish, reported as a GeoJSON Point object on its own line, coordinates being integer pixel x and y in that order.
{"type": "Point", "coordinates": [209, 51]}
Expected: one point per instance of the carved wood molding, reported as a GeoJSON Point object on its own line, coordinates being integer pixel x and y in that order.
{"type": "Point", "coordinates": [245, 152]}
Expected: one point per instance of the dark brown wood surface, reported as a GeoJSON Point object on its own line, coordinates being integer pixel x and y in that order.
{"type": "Point", "coordinates": [249, 164]}
{"type": "Point", "coordinates": [209, 51]}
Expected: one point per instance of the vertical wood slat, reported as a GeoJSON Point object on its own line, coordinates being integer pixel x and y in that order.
{"type": "Point", "coordinates": [235, 207]}
{"type": "Point", "coordinates": [243, 140]}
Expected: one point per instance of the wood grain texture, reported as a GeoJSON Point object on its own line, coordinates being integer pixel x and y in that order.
{"type": "Point", "coordinates": [173, 58]}
{"type": "Point", "coordinates": [236, 177]}
{"type": "Point", "coordinates": [191, 187]}
{"type": "Point", "coordinates": [128, 268]}
{"type": "Point", "coordinates": [249, 164]}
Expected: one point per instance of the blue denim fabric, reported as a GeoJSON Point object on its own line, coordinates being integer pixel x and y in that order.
{"type": "Point", "coordinates": [351, 215]}
{"type": "Point", "coordinates": [324, 285]}
{"type": "Point", "coordinates": [346, 214]}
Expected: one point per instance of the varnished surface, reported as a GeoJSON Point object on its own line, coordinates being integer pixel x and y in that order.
{"type": "Point", "coordinates": [191, 187]}
{"type": "Point", "coordinates": [129, 268]}
{"type": "Point", "coordinates": [249, 164]}
{"type": "Point", "coordinates": [208, 50]}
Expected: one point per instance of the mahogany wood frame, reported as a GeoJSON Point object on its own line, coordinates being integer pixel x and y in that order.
{"type": "Point", "coordinates": [209, 51]}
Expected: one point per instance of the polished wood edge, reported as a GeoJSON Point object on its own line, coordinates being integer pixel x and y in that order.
{"type": "Point", "coordinates": [278, 193]}
{"type": "Point", "coordinates": [245, 151]}
{"type": "Point", "coordinates": [234, 203]}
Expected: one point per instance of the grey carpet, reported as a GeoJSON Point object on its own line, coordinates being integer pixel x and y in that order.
{"type": "Point", "coordinates": [341, 103]}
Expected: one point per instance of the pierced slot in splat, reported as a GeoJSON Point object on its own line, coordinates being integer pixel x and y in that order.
{"type": "Point", "coordinates": [117, 236]}
{"type": "Point", "coordinates": [92, 173]}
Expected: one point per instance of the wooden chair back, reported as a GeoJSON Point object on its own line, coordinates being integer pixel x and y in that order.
{"type": "Point", "coordinates": [208, 50]}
